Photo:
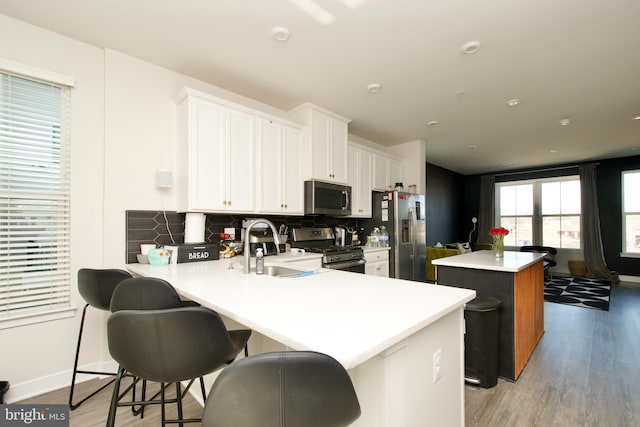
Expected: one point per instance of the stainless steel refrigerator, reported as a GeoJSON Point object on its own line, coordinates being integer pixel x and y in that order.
{"type": "Point", "coordinates": [403, 215]}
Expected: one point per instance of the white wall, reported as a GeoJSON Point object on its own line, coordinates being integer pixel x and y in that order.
{"type": "Point", "coordinates": [40, 355]}
{"type": "Point", "coordinates": [123, 130]}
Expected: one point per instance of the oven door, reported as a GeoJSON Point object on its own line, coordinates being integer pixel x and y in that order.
{"type": "Point", "coordinates": [354, 266]}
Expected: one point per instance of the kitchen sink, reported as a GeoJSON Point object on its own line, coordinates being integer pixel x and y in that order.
{"type": "Point", "coordinates": [278, 271]}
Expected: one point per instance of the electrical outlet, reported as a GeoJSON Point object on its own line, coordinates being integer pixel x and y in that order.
{"type": "Point", "coordinates": [437, 365]}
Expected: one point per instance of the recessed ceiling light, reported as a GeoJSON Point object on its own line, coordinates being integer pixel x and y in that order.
{"type": "Point", "coordinates": [553, 150]}
{"type": "Point", "coordinates": [471, 47]}
{"type": "Point", "coordinates": [374, 88]}
{"type": "Point", "coordinates": [564, 122]}
{"type": "Point", "coordinates": [433, 123]}
{"type": "Point", "coordinates": [636, 117]}
{"type": "Point", "coordinates": [472, 147]}
{"type": "Point", "coordinates": [513, 102]}
{"type": "Point", "coordinates": [281, 34]}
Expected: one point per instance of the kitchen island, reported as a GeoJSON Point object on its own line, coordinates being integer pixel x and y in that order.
{"type": "Point", "coordinates": [385, 332]}
{"type": "Point", "coordinates": [517, 280]}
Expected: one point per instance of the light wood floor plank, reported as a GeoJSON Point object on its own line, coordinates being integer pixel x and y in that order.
{"type": "Point", "coordinates": [584, 371]}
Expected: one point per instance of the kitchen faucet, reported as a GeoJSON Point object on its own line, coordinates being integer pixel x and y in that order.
{"type": "Point", "coordinates": [247, 255]}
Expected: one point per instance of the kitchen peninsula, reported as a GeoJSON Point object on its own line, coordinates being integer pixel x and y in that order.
{"type": "Point", "coordinates": [517, 280]}
{"type": "Point", "coordinates": [384, 331]}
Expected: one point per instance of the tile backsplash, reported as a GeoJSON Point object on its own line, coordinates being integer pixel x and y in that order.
{"type": "Point", "coordinates": [166, 227]}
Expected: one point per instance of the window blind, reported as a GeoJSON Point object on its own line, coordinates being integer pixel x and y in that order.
{"type": "Point", "coordinates": [34, 196]}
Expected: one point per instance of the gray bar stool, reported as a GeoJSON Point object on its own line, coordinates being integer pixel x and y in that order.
{"type": "Point", "coordinates": [293, 389]}
{"type": "Point", "coordinates": [145, 293]}
{"type": "Point", "coordinates": [96, 286]}
{"type": "Point", "coordinates": [169, 346]}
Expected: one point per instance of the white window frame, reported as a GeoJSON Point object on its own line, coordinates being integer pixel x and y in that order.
{"type": "Point", "coordinates": [10, 315]}
{"type": "Point", "coordinates": [537, 217]}
{"type": "Point", "coordinates": [624, 252]}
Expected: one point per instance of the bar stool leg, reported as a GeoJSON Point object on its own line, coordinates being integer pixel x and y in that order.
{"type": "Point", "coordinates": [72, 405]}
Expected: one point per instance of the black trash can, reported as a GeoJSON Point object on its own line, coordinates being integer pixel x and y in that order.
{"type": "Point", "coordinates": [481, 341]}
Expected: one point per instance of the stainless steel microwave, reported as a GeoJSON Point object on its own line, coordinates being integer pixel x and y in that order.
{"type": "Point", "coordinates": [326, 198]}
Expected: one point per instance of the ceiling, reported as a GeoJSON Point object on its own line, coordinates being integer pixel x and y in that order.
{"type": "Point", "coordinates": [569, 59]}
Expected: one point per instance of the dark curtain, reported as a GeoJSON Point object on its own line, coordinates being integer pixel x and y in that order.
{"type": "Point", "coordinates": [591, 235]}
{"type": "Point", "coordinates": [486, 216]}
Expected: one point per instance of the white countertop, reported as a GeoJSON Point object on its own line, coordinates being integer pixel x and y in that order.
{"type": "Point", "coordinates": [350, 316]}
{"type": "Point", "coordinates": [485, 260]}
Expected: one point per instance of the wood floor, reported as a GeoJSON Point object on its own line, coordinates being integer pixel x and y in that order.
{"type": "Point", "coordinates": [94, 411]}
{"type": "Point", "coordinates": [585, 371]}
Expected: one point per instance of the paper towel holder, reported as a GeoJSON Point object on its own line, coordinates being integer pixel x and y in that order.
{"type": "Point", "coordinates": [164, 178]}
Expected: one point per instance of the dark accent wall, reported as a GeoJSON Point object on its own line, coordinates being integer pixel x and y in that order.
{"type": "Point", "coordinates": [444, 201]}
{"type": "Point", "coordinates": [609, 204]}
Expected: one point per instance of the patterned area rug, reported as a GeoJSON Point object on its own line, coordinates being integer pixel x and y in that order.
{"type": "Point", "coordinates": [578, 291]}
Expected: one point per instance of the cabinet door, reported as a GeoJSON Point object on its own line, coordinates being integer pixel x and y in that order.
{"type": "Point", "coordinates": [269, 184]}
{"type": "Point", "coordinates": [395, 173]}
{"type": "Point", "coordinates": [339, 138]}
{"type": "Point", "coordinates": [380, 175]}
{"type": "Point", "coordinates": [320, 141]}
{"type": "Point", "coordinates": [353, 180]}
{"type": "Point", "coordinates": [365, 187]}
{"type": "Point", "coordinates": [240, 151]}
{"type": "Point", "coordinates": [359, 178]}
{"type": "Point", "coordinates": [292, 181]}
{"type": "Point", "coordinates": [206, 165]}
{"type": "Point", "coordinates": [380, 269]}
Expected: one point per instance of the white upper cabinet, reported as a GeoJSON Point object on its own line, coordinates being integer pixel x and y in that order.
{"type": "Point", "coordinates": [325, 143]}
{"type": "Point", "coordinates": [359, 178]}
{"type": "Point", "coordinates": [215, 157]}
{"type": "Point", "coordinates": [280, 184]}
{"type": "Point", "coordinates": [386, 172]}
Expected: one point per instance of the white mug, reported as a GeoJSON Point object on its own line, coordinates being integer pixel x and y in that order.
{"type": "Point", "coordinates": [146, 247]}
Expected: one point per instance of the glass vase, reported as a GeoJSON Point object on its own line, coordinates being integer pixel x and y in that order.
{"type": "Point", "coordinates": [498, 246]}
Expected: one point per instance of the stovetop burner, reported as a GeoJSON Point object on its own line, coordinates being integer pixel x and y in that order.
{"type": "Point", "coordinates": [321, 240]}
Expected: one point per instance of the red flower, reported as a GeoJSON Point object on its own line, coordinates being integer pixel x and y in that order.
{"type": "Point", "coordinates": [498, 231]}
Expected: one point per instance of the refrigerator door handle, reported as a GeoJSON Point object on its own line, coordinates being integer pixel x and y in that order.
{"type": "Point", "coordinates": [412, 233]}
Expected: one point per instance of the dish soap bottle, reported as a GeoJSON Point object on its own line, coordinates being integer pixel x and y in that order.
{"type": "Point", "coordinates": [259, 261]}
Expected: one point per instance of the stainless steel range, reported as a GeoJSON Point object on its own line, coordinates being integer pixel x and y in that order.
{"type": "Point", "coordinates": [322, 240]}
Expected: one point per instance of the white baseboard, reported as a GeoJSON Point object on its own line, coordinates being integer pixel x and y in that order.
{"type": "Point", "coordinates": [632, 279]}
{"type": "Point", "coordinates": [38, 386]}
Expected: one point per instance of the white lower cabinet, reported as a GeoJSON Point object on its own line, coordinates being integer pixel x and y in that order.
{"type": "Point", "coordinates": [377, 262]}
